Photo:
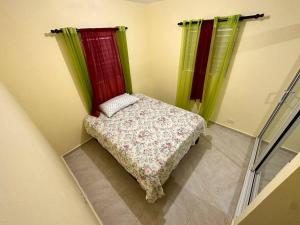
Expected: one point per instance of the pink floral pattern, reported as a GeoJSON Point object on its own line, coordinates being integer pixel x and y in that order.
{"type": "Point", "coordinates": [148, 139]}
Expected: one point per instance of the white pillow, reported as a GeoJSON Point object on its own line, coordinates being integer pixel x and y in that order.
{"type": "Point", "coordinates": [117, 103]}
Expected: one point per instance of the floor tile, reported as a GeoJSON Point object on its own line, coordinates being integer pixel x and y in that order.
{"type": "Point", "coordinates": [203, 189]}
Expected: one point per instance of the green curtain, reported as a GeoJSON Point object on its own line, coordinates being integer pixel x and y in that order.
{"type": "Point", "coordinates": [78, 60]}
{"type": "Point", "coordinates": [224, 37]}
{"type": "Point", "coordinates": [190, 38]}
{"type": "Point", "coordinates": [123, 52]}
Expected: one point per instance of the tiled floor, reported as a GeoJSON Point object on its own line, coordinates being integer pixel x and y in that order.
{"type": "Point", "coordinates": [202, 190]}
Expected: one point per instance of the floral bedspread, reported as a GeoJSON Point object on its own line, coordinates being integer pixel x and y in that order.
{"type": "Point", "coordinates": [148, 139]}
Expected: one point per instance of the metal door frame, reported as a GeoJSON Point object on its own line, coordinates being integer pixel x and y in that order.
{"type": "Point", "coordinates": [288, 128]}
{"type": "Point", "coordinates": [247, 193]}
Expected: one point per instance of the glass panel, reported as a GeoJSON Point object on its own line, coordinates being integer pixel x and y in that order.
{"type": "Point", "coordinates": [285, 144]}
{"type": "Point", "coordinates": [280, 119]}
{"type": "Point", "coordinates": [280, 157]}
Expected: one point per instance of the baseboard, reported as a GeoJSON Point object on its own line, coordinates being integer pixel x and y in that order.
{"type": "Point", "coordinates": [249, 135]}
{"type": "Point", "coordinates": [289, 149]}
{"type": "Point", "coordinates": [76, 181]}
{"type": "Point", "coordinates": [77, 146]}
{"type": "Point", "coordinates": [85, 198]}
{"type": "Point", "coordinates": [231, 128]}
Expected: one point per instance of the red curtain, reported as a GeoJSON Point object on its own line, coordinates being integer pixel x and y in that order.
{"type": "Point", "coordinates": [201, 59]}
{"type": "Point", "coordinates": [104, 65]}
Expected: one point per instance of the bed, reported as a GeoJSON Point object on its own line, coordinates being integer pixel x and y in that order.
{"type": "Point", "coordinates": [148, 139]}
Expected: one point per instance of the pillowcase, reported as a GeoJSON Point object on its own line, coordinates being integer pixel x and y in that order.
{"type": "Point", "coordinates": [117, 103]}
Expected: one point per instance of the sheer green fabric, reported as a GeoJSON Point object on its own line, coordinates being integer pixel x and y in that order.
{"type": "Point", "coordinates": [123, 52]}
{"type": "Point", "coordinates": [78, 60]}
{"type": "Point", "coordinates": [225, 34]}
{"type": "Point", "coordinates": [190, 38]}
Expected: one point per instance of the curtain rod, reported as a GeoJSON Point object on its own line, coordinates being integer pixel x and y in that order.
{"type": "Point", "coordinates": [256, 16]}
{"type": "Point", "coordinates": [56, 31]}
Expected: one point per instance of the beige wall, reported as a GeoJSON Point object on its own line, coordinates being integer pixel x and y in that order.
{"type": "Point", "coordinates": [33, 67]}
{"type": "Point", "coordinates": [279, 202]}
{"type": "Point", "coordinates": [267, 55]}
{"type": "Point", "coordinates": [35, 187]}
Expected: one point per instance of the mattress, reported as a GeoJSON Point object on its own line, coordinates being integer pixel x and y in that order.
{"type": "Point", "coordinates": [148, 139]}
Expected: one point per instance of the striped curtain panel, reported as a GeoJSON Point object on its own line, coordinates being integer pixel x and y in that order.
{"type": "Point", "coordinates": [224, 36]}
{"type": "Point", "coordinates": [81, 76]}
{"type": "Point", "coordinates": [190, 38]}
{"type": "Point", "coordinates": [123, 52]}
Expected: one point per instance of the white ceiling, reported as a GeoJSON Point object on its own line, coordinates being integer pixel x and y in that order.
{"type": "Point", "coordinates": [144, 1]}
